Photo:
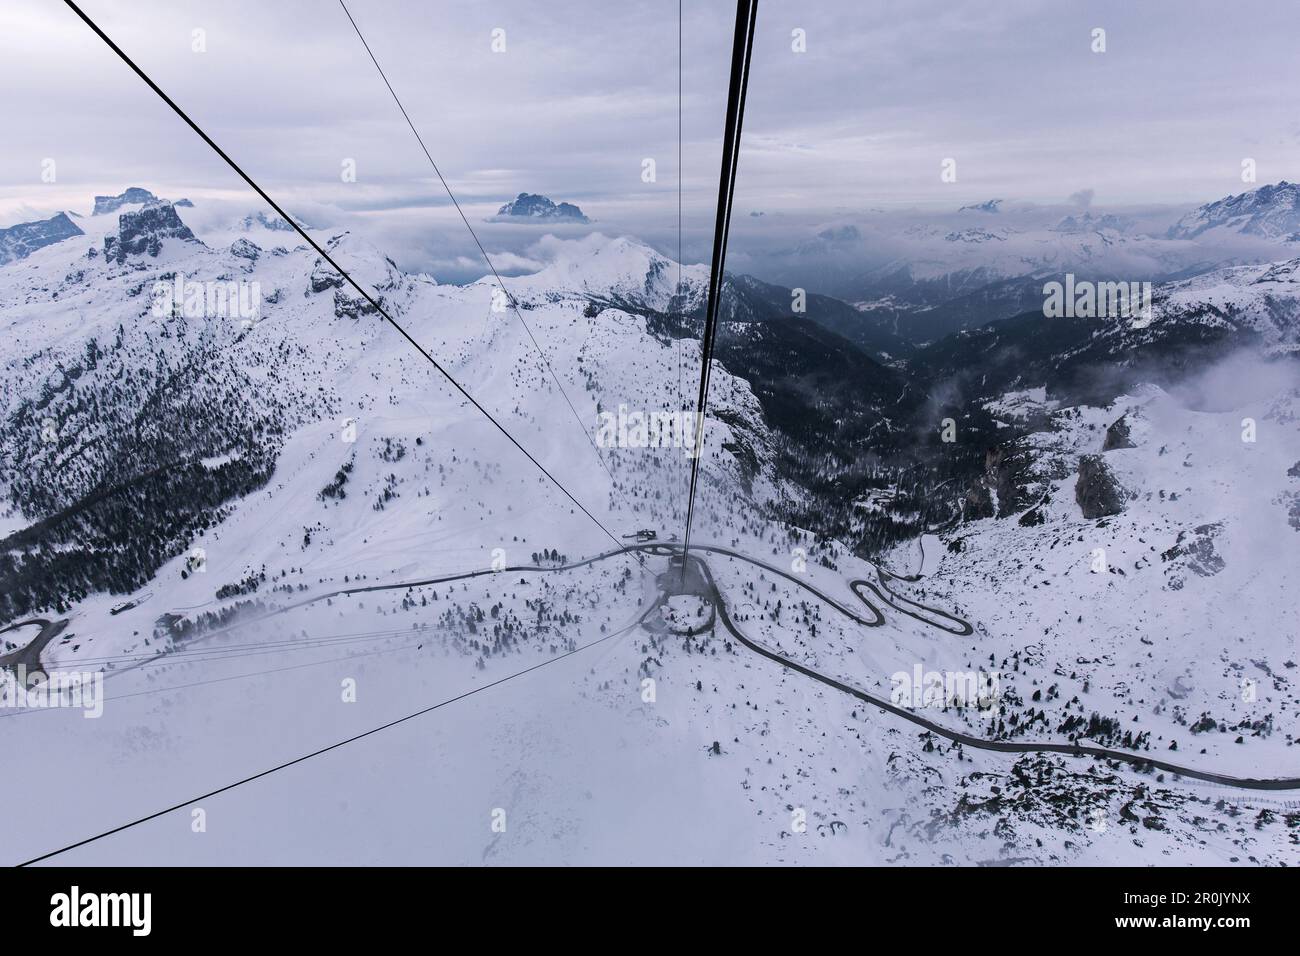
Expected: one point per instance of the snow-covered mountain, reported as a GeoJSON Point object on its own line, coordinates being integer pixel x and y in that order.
{"type": "Point", "coordinates": [1087, 222]}
{"type": "Point", "coordinates": [928, 274]}
{"type": "Point", "coordinates": [232, 487]}
{"type": "Point", "coordinates": [131, 196]}
{"type": "Point", "coordinates": [618, 270]}
{"type": "Point", "coordinates": [532, 208]}
{"type": "Point", "coordinates": [1260, 301]}
{"type": "Point", "coordinates": [1271, 212]}
{"type": "Point", "coordinates": [21, 240]}
{"type": "Point", "coordinates": [1192, 323]}
{"type": "Point", "coordinates": [131, 365]}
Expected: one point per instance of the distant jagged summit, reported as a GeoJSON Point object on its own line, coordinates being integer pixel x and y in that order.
{"type": "Point", "coordinates": [530, 207]}
{"type": "Point", "coordinates": [21, 240]}
{"type": "Point", "coordinates": [144, 231]}
{"type": "Point", "coordinates": [974, 235]}
{"type": "Point", "coordinates": [989, 206]}
{"type": "Point", "coordinates": [1270, 212]}
{"type": "Point", "coordinates": [133, 195]}
{"type": "Point", "coordinates": [274, 223]}
{"type": "Point", "coordinates": [1087, 222]}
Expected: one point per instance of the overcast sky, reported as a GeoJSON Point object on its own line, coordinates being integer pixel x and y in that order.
{"type": "Point", "coordinates": [587, 90]}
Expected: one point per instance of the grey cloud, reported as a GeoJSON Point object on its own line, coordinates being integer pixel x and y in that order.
{"type": "Point", "coordinates": [586, 92]}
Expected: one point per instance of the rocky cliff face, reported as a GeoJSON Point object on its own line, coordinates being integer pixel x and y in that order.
{"type": "Point", "coordinates": [536, 208]}
{"type": "Point", "coordinates": [144, 232]}
{"type": "Point", "coordinates": [1097, 490]}
{"type": "Point", "coordinates": [1118, 435]}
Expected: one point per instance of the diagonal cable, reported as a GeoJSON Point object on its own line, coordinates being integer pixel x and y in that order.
{"type": "Point", "coordinates": [486, 258]}
{"type": "Point", "coordinates": [323, 750]}
{"type": "Point", "coordinates": [339, 269]}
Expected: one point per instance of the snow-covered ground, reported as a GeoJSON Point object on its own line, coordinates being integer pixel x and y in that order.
{"type": "Point", "coordinates": [1175, 617]}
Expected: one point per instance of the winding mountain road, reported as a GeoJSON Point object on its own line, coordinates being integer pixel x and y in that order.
{"type": "Point", "coordinates": [30, 653]}
{"type": "Point", "coordinates": [980, 743]}
{"type": "Point", "coordinates": [954, 625]}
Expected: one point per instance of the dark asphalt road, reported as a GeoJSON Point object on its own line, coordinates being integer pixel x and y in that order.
{"type": "Point", "coordinates": [954, 625]}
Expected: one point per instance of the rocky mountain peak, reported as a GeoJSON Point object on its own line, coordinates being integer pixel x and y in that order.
{"type": "Point", "coordinates": [133, 195]}
{"type": "Point", "coordinates": [532, 207]}
{"type": "Point", "coordinates": [20, 241]}
{"type": "Point", "coordinates": [144, 231]}
{"type": "Point", "coordinates": [1270, 212]}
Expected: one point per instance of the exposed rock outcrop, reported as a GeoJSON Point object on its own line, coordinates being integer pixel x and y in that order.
{"type": "Point", "coordinates": [144, 231]}
{"type": "Point", "coordinates": [1118, 435]}
{"type": "Point", "coordinates": [1097, 490]}
{"type": "Point", "coordinates": [245, 250]}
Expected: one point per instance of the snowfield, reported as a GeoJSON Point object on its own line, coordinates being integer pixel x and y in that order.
{"type": "Point", "coordinates": [1175, 614]}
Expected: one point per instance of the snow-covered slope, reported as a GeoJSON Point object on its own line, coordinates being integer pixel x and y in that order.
{"type": "Point", "coordinates": [619, 269]}
{"type": "Point", "coordinates": [104, 394]}
{"type": "Point", "coordinates": [1147, 573]}
{"type": "Point", "coordinates": [1261, 300]}
{"type": "Point", "coordinates": [1270, 212]}
{"type": "Point", "coordinates": [21, 240]}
